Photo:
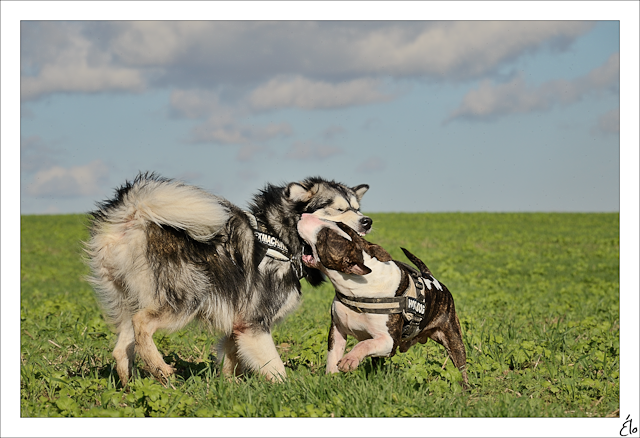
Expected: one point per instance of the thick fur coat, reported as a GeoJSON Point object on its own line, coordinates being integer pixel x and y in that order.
{"type": "Point", "coordinates": [163, 253]}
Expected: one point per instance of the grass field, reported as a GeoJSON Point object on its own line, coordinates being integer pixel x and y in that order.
{"type": "Point", "coordinates": [537, 296]}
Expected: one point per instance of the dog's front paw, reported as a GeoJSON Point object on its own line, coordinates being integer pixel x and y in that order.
{"type": "Point", "coordinates": [162, 373]}
{"type": "Point", "coordinates": [347, 364]}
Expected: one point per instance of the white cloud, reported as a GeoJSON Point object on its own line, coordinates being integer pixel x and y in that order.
{"type": "Point", "coordinates": [300, 92]}
{"type": "Point", "coordinates": [160, 43]}
{"type": "Point", "coordinates": [457, 49]}
{"type": "Point", "coordinates": [224, 121]}
{"type": "Point", "coordinates": [223, 131]}
{"type": "Point", "coordinates": [195, 104]}
{"type": "Point", "coordinates": [330, 63]}
{"type": "Point", "coordinates": [311, 151]}
{"type": "Point", "coordinates": [490, 100]}
{"type": "Point", "coordinates": [74, 66]}
{"type": "Point", "coordinates": [250, 152]}
{"type": "Point", "coordinates": [63, 182]}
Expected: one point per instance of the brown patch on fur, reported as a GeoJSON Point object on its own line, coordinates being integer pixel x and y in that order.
{"type": "Point", "coordinates": [330, 340]}
{"type": "Point", "coordinates": [239, 328]}
{"type": "Point", "coordinates": [394, 325]}
{"type": "Point", "coordinates": [370, 248]}
{"type": "Point", "coordinates": [339, 254]}
{"type": "Point", "coordinates": [404, 282]}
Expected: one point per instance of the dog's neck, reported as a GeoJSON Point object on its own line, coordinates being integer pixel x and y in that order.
{"type": "Point", "coordinates": [272, 222]}
{"type": "Point", "coordinates": [381, 282]}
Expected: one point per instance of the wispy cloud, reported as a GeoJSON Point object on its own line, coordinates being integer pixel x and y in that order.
{"type": "Point", "coordinates": [232, 132]}
{"type": "Point", "coordinates": [251, 152]}
{"type": "Point", "coordinates": [371, 164]}
{"type": "Point", "coordinates": [71, 66]}
{"type": "Point", "coordinates": [61, 182]}
{"type": "Point", "coordinates": [332, 132]}
{"type": "Point", "coordinates": [344, 69]}
{"type": "Point", "coordinates": [491, 100]}
{"type": "Point", "coordinates": [609, 123]}
{"type": "Point", "coordinates": [302, 93]}
{"type": "Point", "coordinates": [311, 151]}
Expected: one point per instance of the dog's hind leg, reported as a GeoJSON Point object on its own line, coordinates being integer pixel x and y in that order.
{"type": "Point", "coordinates": [257, 351]}
{"type": "Point", "coordinates": [124, 353]}
{"type": "Point", "coordinates": [450, 337]}
{"type": "Point", "coordinates": [145, 323]}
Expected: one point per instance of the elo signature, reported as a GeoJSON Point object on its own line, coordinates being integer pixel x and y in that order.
{"type": "Point", "coordinates": [631, 429]}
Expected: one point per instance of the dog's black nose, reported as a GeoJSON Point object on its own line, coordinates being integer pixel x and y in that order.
{"type": "Point", "coordinates": [366, 222]}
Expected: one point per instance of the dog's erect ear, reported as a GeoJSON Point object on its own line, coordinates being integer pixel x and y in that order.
{"type": "Point", "coordinates": [370, 248]}
{"type": "Point", "coordinates": [357, 269]}
{"type": "Point", "coordinates": [377, 251]}
{"type": "Point", "coordinates": [339, 254]}
{"type": "Point", "coordinates": [298, 193]}
{"type": "Point", "coordinates": [360, 190]}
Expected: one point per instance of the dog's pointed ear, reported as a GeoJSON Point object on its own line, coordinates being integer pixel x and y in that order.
{"type": "Point", "coordinates": [357, 269]}
{"type": "Point", "coordinates": [360, 190]}
{"type": "Point", "coordinates": [296, 192]}
{"type": "Point", "coordinates": [377, 251]}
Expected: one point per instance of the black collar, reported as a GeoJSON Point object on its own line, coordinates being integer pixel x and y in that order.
{"type": "Point", "coordinates": [276, 248]}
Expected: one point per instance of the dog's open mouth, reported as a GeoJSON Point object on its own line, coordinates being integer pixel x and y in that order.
{"type": "Point", "coordinates": [307, 255]}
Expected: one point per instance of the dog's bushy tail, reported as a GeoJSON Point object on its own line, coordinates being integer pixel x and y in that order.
{"type": "Point", "coordinates": [117, 250]}
{"type": "Point", "coordinates": [167, 202]}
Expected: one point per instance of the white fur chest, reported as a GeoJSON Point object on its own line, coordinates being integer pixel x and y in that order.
{"type": "Point", "coordinates": [381, 282]}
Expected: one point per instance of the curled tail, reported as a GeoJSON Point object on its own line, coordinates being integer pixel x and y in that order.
{"type": "Point", "coordinates": [166, 202]}
{"type": "Point", "coordinates": [118, 246]}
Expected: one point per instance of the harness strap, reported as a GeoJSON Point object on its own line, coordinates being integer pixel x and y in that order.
{"type": "Point", "coordinates": [383, 306]}
{"type": "Point", "coordinates": [276, 249]}
{"type": "Point", "coordinates": [410, 303]}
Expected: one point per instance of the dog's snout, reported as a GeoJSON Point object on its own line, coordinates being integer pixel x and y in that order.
{"type": "Point", "coordinates": [366, 222]}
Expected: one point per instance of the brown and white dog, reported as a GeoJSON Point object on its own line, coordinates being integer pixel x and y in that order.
{"type": "Point", "coordinates": [383, 303]}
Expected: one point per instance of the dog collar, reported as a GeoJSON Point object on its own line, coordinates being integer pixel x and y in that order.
{"type": "Point", "coordinates": [276, 249]}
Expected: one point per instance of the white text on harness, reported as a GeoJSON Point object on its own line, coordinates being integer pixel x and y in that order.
{"type": "Point", "coordinates": [271, 241]}
{"type": "Point", "coordinates": [415, 305]}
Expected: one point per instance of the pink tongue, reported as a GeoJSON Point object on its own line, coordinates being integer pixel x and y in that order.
{"type": "Point", "coordinates": [306, 258]}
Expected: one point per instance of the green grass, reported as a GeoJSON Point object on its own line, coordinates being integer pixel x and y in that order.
{"type": "Point", "coordinates": [537, 296]}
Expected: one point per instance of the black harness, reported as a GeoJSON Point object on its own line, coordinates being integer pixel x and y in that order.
{"type": "Point", "coordinates": [275, 248]}
{"type": "Point", "coordinates": [409, 301]}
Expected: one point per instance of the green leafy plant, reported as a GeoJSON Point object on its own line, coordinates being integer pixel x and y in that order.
{"type": "Point", "coordinates": [537, 296]}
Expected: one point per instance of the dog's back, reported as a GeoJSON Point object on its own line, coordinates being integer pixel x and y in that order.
{"type": "Point", "coordinates": [149, 219]}
{"type": "Point", "coordinates": [159, 258]}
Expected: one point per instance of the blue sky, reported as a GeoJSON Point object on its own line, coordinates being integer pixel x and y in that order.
{"type": "Point", "coordinates": [433, 115]}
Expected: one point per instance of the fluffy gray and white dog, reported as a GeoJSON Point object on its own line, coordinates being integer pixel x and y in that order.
{"type": "Point", "coordinates": [163, 253]}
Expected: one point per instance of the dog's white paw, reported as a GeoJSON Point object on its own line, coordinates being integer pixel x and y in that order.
{"type": "Point", "coordinates": [348, 363]}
